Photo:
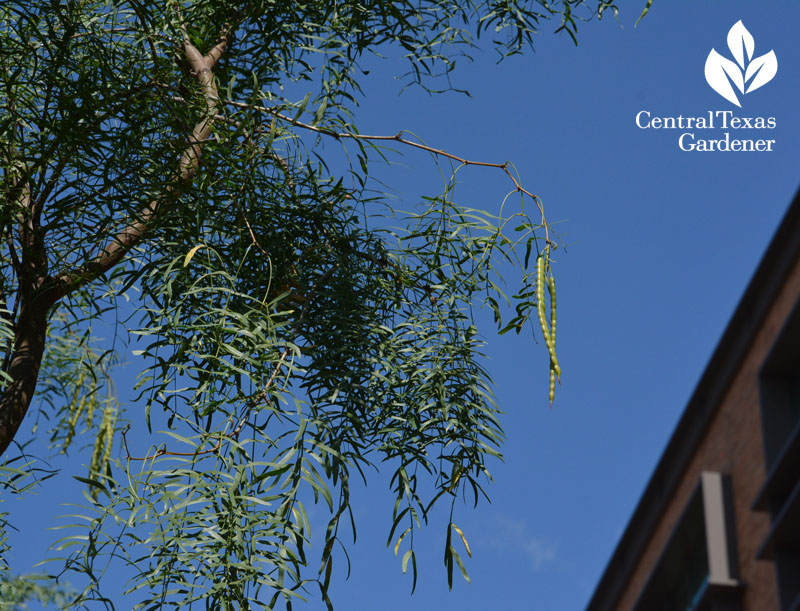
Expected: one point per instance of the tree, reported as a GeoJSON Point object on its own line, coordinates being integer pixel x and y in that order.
{"type": "Point", "coordinates": [291, 327]}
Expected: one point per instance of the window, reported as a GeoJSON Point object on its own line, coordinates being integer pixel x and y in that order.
{"type": "Point", "coordinates": [697, 569]}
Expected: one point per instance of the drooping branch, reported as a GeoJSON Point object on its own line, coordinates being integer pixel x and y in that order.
{"type": "Point", "coordinates": [253, 401]}
{"type": "Point", "coordinates": [400, 138]}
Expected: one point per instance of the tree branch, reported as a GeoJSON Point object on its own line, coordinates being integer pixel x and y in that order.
{"type": "Point", "coordinates": [38, 292]}
{"type": "Point", "coordinates": [202, 67]}
{"type": "Point", "coordinates": [402, 140]}
{"type": "Point", "coordinates": [30, 329]}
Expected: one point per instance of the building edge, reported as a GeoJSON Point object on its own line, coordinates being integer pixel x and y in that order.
{"type": "Point", "coordinates": [769, 277]}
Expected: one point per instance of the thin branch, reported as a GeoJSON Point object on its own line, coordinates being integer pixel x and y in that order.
{"type": "Point", "coordinates": [398, 137]}
{"type": "Point", "coordinates": [253, 235]}
{"type": "Point", "coordinates": [163, 450]}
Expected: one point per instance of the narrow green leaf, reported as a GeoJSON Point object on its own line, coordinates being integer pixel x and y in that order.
{"type": "Point", "coordinates": [406, 557]}
{"type": "Point", "coordinates": [191, 254]}
{"type": "Point", "coordinates": [400, 540]}
{"type": "Point", "coordinates": [463, 538]}
{"type": "Point", "coordinates": [644, 12]}
{"type": "Point", "coordinates": [460, 565]}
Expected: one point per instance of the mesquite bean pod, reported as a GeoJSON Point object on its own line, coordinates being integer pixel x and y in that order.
{"type": "Point", "coordinates": [551, 288]}
{"type": "Point", "coordinates": [101, 453]}
{"type": "Point", "coordinates": [540, 308]}
{"type": "Point", "coordinates": [548, 331]}
{"type": "Point", "coordinates": [97, 453]}
{"type": "Point", "coordinates": [109, 440]}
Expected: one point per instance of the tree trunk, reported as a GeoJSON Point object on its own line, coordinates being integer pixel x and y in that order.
{"type": "Point", "coordinates": [39, 292]}
{"type": "Point", "coordinates": [31, 331]}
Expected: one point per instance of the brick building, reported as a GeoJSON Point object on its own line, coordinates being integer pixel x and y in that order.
{"type": "Point", "coordinates": [718, 526]}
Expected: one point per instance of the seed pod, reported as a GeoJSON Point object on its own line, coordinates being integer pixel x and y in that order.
{"type": "Point", "coordinates": [91, 409]}
{"type": "Point", "coordinates": [540, 309]}
{"type": "Point", "coordinates": [101, 453]}
{"type": "Point", "coordinates": [75, 413]}
{"type": "Point", "coordinates": [75, 408]}
{"type": "Point", "coordinates": [542, 265]}
{"type": "Point", "coordinates": [551, 288]}
{"type": "Point", "coordinates": [107, 451]}
{"type": "Point", "coordinates": [97, 454]}
{"type": "Point", "coordinates": [109, 424]}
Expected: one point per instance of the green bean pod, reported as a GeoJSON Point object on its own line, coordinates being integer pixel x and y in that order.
{"type": "Point", "coordinates": [540, 306]}
{"type": "Point", "coordinates": [97, 454]}
{"type": "Point", "coordinates": [109, 440]}
{"type": "Point", "coordinates": [551, 288]}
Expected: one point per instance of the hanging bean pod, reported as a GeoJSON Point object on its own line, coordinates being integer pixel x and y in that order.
{"type": "Point", "coordinates": [540, 305]}
{"type": "Point", "coordinates": [551, 288]}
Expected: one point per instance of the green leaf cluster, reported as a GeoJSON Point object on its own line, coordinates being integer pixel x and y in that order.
{"type": "Point", "coordinates": [292, 329]}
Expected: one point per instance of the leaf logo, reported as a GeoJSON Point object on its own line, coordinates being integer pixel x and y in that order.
{"type": "Point", "coordinates": [721, 72]}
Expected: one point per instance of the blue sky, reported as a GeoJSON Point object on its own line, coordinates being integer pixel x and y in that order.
{"type": "Point", "coordinates": [660, 244]}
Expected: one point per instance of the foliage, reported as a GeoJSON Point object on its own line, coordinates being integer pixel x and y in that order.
{"type": "Point", "coordinates": [162, 172]}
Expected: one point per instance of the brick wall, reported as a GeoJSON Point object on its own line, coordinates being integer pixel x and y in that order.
{"type": "Point", "coordinates": [732, 445]}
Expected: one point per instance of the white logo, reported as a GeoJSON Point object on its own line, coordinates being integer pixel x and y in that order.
{"type": "Point", "coordinates": [721, 72]}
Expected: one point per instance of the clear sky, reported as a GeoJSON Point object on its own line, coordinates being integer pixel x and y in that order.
{"type": "Point", "coordinates": [660, 246]}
